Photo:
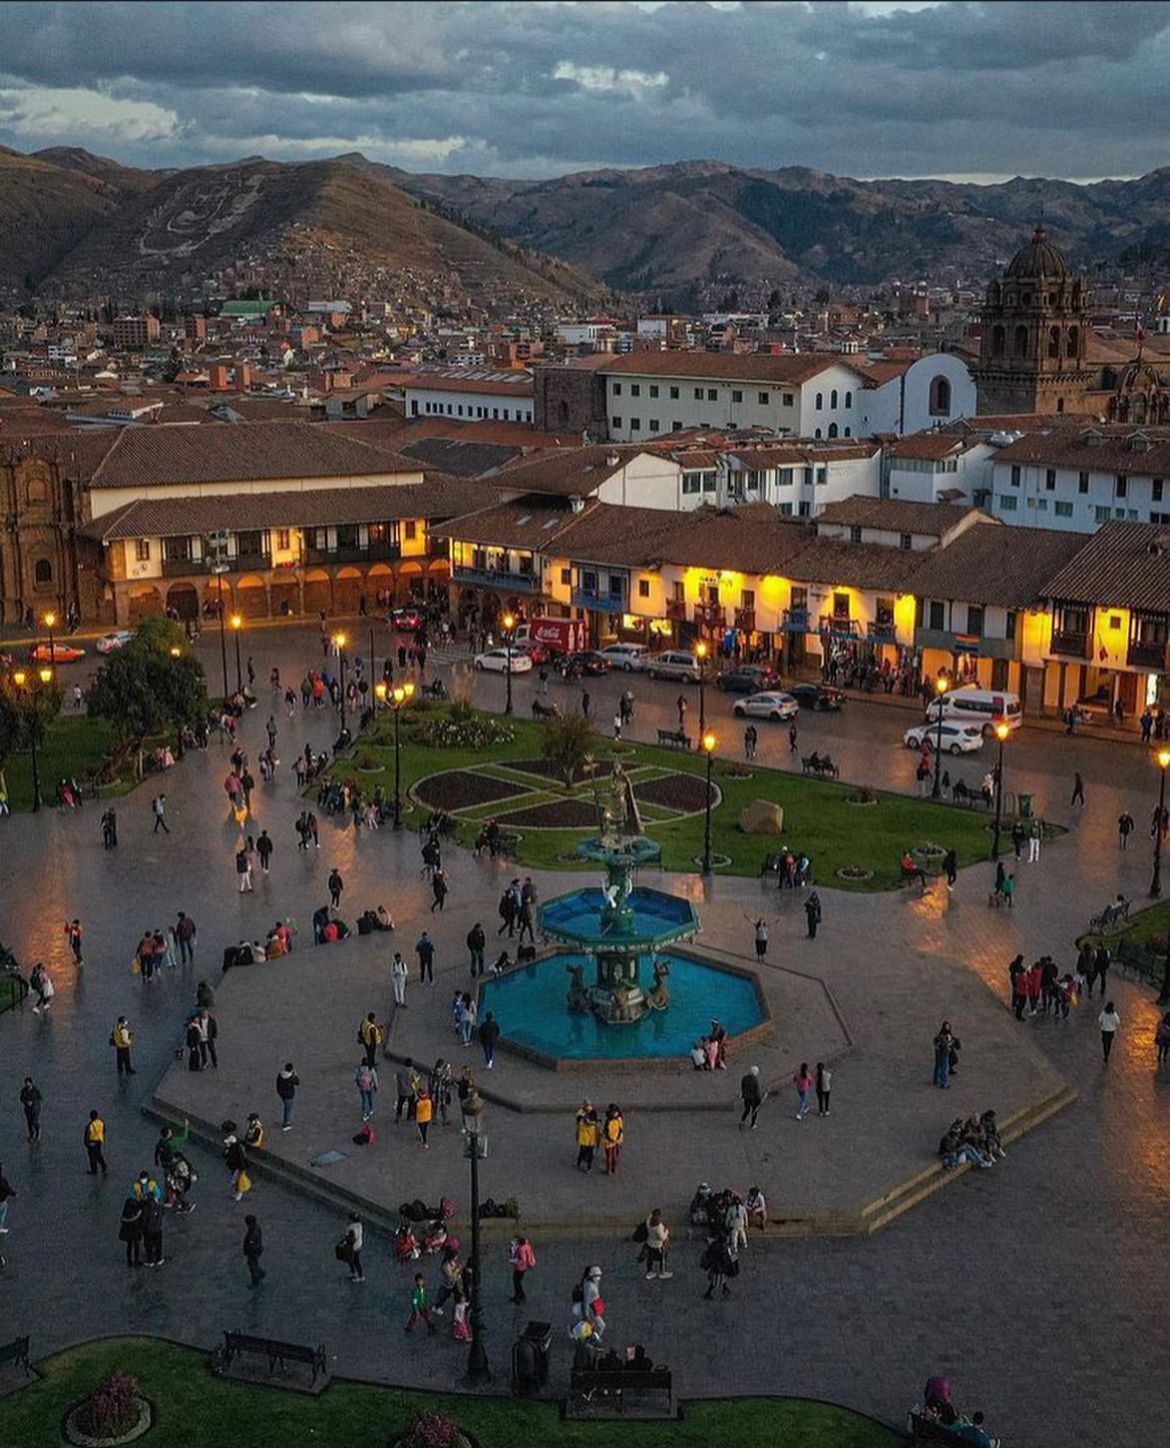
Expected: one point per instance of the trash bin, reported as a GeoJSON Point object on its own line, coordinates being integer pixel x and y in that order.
{"type": "Point", "coordinates": [1024, 806]}
{"type": "Point", "coordinates": [530, 1357]}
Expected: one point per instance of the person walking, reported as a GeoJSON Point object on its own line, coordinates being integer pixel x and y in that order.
{"type": "Point", "coordinates": [287, 1082]}
{"type": "Point", "coordinates": [398, 974]}
{"type": "Point", "coordinates": [253, 1249]}
{"type": "Point", "coordinates": [424, 1113]}
{"type": "Point", "coordinates": [418, 1305]}
{"type": "Point", "coordinates": [467, 1010]}
{"type": "Point", "coordinates": [1101, 964]}
{"type": "Point", "coordinates": [585, 703]}
{"type": "Point", "coordinates": [366, 1078]}
{"type": "Point", "coordinates": [122, 1038]}
{"type": "Point", "coordinates": [130, 1230]}
{"type": "Point", "coordinates": [1161, 1042]}
{"type": "Point", "coordinates": [1035, 839]}
{"type": "Point", "coordinates": [425, 950]}
{"type": "Point", "coordinates": [950, 866]}
{"type": "Point", "coordinates": [244, 866]}
{"type": "Point", "coordinates": [657, 1246]}
{"type": "Point", "coordinates": [152, 1226]}
{"type": "Point", "coordinates": [793, 742]}
{"type": "Point", "coordinates": [588, 1135]}
{"type": "Point", "coordinates": [681, 705]}
{"type": "Point", "coordinates": [812, 911]}
{"type": "Point", "coordinates": [803, 1082]}
{"type": "Point", "coordinates": [73, 934]}
{"type": "Point", "coordinates": [351, 1245]}
{"type": "Point", "coordinates": [404, 1086]}
{"type": "Point", "coordinates": [521, 1259]}
{"type": "Point", "coordinates": [439, 888]}
{"type": "Point", "coordinates": [158, 807]}
{"type": "Point", "coordinates": [613, 1137]}
{"type": "Point", "coordinates": [336, 886]}
{"type": "Point", "coordinates": [94, 1138]}
{"type": "Point", "coordinates": [185, 933]}
{"type": "Point", "coordinates": [6, 1194]}
{"type": "Point", "coordinates": [1125, 828]}
{"type": "Point", "coordinates": [824, 1080]}
{"type": "Point", "coordinates": [752, 1097]}
{"type": "Point", "coordinates": [476, 944]}
{"type": "Point", "coordinates": [41, 984]}
{"type": "Point", "coordinates": [30, 1100]}
{"type": "Point", "coordinates": [264, 850]}
{"type": "Point", "coordinates": [1108, 1022]}
{"type": "Point", "coordinates": [721, 1262]}
{"type": "Point", "coordinates": [489, 1034]}
{"type": "Point", "coordinates": [1078, 794]}
{"type": "Point", "coordinates": [370, 1036]}
{"type": "Point", "coordinates": [942, 1056]}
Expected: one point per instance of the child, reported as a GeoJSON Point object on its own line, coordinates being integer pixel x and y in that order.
{"type": "Point", "coordinates": [460, 1327]}
{"type": "Point", "coordinates": [757, 1207]}
{"type": "Point", "coordinates": [699, 1055]}
{"type": "Point", "coordinates": [418, 1305]}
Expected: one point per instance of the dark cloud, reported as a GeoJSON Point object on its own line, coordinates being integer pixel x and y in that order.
{"type": "Point", "coordinates": [538, 89]}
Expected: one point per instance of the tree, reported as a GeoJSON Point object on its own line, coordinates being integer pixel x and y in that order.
{"type": "Point", "coordinates": [568, 744]}
{"type": "Point", "coordinates": [151, 686]}
{"type": "Point", "coordinates": [25, 716]}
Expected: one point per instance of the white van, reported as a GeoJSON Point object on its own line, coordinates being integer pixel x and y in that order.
{"type": "Point", "coordinates": [979, 706]}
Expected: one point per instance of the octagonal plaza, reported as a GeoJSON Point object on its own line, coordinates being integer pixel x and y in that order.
{"type": "Point", "coordinates": [867, 1009]}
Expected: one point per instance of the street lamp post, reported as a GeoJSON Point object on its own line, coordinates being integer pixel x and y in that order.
{"type": "Point", "coordinates": [402, 694]}
{"type": "Point", "coordinates": [340, 640]}
{"type": "Point", "coordinates": [1156, 882]}
{"type": "Point", "coordinates": [373, 671]}
{"type": "Point", "coordinates": [475, 1149]}
{"type": "Point", "coordinates": [701, 651]}
{"type": "Point", "coordinates": [177, 653]}
{"type": "Point", "coordinates": [709, 743]}
{"type": "Point", "coordinates": [18, 679]}
{"type": "Point", "coordinates": [237, 625]}
{"type": "Point", "coordinates": [1001, 733]}
{"type": "Point", "coordinates": [936, 793]}
{"type": "Point", "coordinates": [508, 623]}
{"type": "Point", "coordinates": [50, 624]}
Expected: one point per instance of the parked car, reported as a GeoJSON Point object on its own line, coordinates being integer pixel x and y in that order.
{"type": "Point", "coordinates": [674, 665]}
{"type": "Point", "coordinates": [537, 652]}
{"type": "Point", "coordinates": [581, 662]}
{"type": "Point", "coordinates": [110, 643]}
{"type": "Point", "coordinates": [60, 653]}
{"type": "Point", "coordinates": [406, 619]}
{"type": "Point", "coordinates": [629, 657]}
{"type": "Point", "coordinates": [956, 738]}
{"type": "Point", "coordinates": [748, 679]}
{"type": "Point", "coordinates": [817, 696]}
{"type": "Point", "coordinates": [770, 705]}
{"type": "Point", "coordinates": [497, 661]}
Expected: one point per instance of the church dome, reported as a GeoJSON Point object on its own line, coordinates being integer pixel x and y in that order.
{"type": "Point", "coordinates": [1039, 259]}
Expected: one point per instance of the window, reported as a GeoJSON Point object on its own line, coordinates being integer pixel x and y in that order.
{"type": "Point", "coordinates": [762, 398]}
{"type": "Point", "coordinates": [804, 510]}
{"type": "Point", "coordinates": [1101, 514]}
{"type": "Point", "coordinates": [411, 530]}
{"type": "Point", "coordinates": [655, 425]}
{"type": "Point", "coordinates": [1082, 482]}
{"type": "Point", "coordinates": [784, 477]}
{"type": "Point", "coordinates": [141, 555]}
{"type": "Point", "coordinates": [816, 432]}
{"type": "Point", "coordinates": [283, 538]}
{"type": "Point", "coordinates": [855, 534]}
{"type": "Point", "coordinates": [589, 583]}
{"type": "Point", "coordinates": [998, 341]}
{"type": "Point", "coordinates": [692, 482]}
{"type": "Point", "coordinates": [1054, 341]}
{"type": "Point", "coordinates": [678, 592]}
{"type": "Point", "coordinates": [698, 394]}
{"type": "Point", "coordinates": [615, 423]}
{"type": "Point", "coordinates": [1063, 510]}
{"type": "Point", "coordinates": [616, 586]}
{"type": "Point", "coordinates": [786, 398]}
{"type": "Point", "coordinates": [712, 394]}
{"type": "Point", "coordinates": [832, 429]}
{"type": "Point", "coordinates": [1008, 504]}
{"type": "Point", "coordinates": [819, 402]}
{"type": "Point", "coordinates": [833, 398]}
{"type": "Point", "coordinates": [736, 395]}
{"type": "Point", "coordinates": [785, 510]}
{"type": "Point", "coordinates": [709, 480]}
{"type": "Point", "coordinates": [1050, 479]}
{"type": "Point", "coordinates": [1020, 342]}
{"type": "Point", "coordinates": [755, 480]}
{"type": "Point", "coordinates": [840, 605]}
{"type": "Point", "coordinates": [1015, 479]}
{"type": "Point", "coordinates": [1041, 505]}
{"type": "Point", "coordinates": [674, 394]}
{"type": "Point", "coordinates": [635, 424]}
{"type": "Point", "coordinates": [905, 542]}
{"type": "Point", "coordinates": [974, 620]}
{"type": "Point", "coordinates": [822, 476]}
{"type": "Point", "coordinates": [643, 588]}
{"type": "Point", "coordinates": [617, 389]}
{"type": "Point", "coordinates": [848, 432]}
{"type": "Point", "coordinates": [849, 399]}
{"type": "Point", "coordinates": [653, 389]}
{"type": "Point", "coordinates": [635, 389]}
{"type": "Point", "coordinates": [676, 426]}
{"type": "Point", "coordinates": [1073, 344]}
{"type": "Point", "coordinates": [1156, 490]}
{"type": "Point", "coordinates": [938, 615]}
{"type": "Point", "coordinates": [1121, 486]}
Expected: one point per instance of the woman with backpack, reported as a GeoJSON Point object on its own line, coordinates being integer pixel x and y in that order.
{"type": "Point", "coordinates": [366, 1079]}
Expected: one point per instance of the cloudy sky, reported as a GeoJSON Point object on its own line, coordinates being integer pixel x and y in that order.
{"type": "Point", "coordinates": [538, 89]}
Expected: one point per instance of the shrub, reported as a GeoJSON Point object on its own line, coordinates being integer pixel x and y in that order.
{"type": "Point", "coordinates": [432, 1430]}
{"type": "Point", "coordinates": [569, 743]}
{"type": "Point", "coordinates": [477, 731]}
{"type": "Point", "coordinates": [112, 1408]}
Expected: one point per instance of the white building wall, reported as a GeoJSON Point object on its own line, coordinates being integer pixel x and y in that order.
{"type": "Point", "coordinates": [1027, 496]}
{"type": "Point", "coordinates": [902, 405]}
{"type": "Point", "coordinates": [921, 481]}
{"type": "Point", "coordinates": [467, 405]}
{"type": "Point", "coordinates": [831, 404]}
{"type": "Point", "coordinates": [669, 404]}
{"type": "Point", "coordinates": [647, 481]}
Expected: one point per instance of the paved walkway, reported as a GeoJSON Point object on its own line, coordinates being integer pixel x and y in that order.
{"type": "Point", "coordinates": [1034, 1285]}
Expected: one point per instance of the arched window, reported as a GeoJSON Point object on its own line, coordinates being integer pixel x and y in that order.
{"type": "Point", "coordinates": [38, 490]}
{"type": "Point", "coordinates": [832, 429]}
{"type": "Point", "coordinates": [848, 432]}
{"type": "Point", "coordinates": [42, 572]}
{"type": "Point", "coordinates": [1020, 342]}
{"type": "Point", "coordinates": [998, 341]}
{"type": "Point", "coordinates": [820, 402]}
{"type": "Point", "coordinates": [1054, 341]}
{"type": "Point", "coordinates": [940, 397]}
{"type": "Point", "coordinates": [1060, 404]}
{"type": "Point", "coordinates": [833, 398]}
{"type": "Point", "coordinates": [817, 433]}
{"type": "Point", "coordinates": [849, 399]}
{"type": "Point", "coordinates": [1072, 344]}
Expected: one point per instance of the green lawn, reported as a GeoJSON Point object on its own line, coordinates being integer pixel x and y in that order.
{"type": "Point", "coordinates": [76, 745]}
{"type": "Point", "coordinates": [195, 1410]}
{"type": "Point", "coordinates": [816, 817]}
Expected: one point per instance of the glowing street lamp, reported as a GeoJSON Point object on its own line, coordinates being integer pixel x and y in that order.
{"type": "Point", "coordinates": [1002, 730]}
{"type": "Point", "coordinates": [1163, 757]}
{"type": "Point", "coordinates": [237, 625]}
{"type": "Point", "coordinates": [508, 623]}
{"type": "Point", "coordinates": [941, 684]}
{"type": "Point", "coordinates": [709, 743]}
{"type": "Point", "coordinates": [51, 624]}
{"type": "Point", "coordinates": [401, 695]}
{"type": "Point", "coordinates": [702, 649]}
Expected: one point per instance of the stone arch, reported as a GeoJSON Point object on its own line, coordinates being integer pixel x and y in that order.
{"type": "Point", "coordinates": [183, 601]}
{"type": "Point", "coordinates": [347, 589]}
{"type": "Point", "coordinates": [36, 490]}
{"type": "Point", "coordinates": [284, 595]}
{"type": "Point", "coordinates": [1020, 342]}
{"type": "Point", "coordinates": [832, 429]}
{"type": "Point", "coordinates": [209, 607]}
{"type": "Point", "coordinates": [410, 583]}
{"type": "Point", "coordinates": [1072, 346]}
{"type": "Point", "coordinates": [252, 596]}
{"type": "Point", "coordinates": [43, 573]}
{"type": "Point", "coordinates": [1054, 341]}
{"type": "Point", "coordinates": [143, 601]}
{"type": "Point", "coordinates": [379, 580]}
{"type": "Point", "coordinates": [318, 591]}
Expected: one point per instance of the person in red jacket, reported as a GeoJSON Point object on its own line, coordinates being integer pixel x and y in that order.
{"type": "Point", "coordinates": [1035, 979]}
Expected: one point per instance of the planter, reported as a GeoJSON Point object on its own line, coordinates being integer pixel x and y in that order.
{"type": "Point", "coordinates": [73, 1433]}
{"type": "Point", "coordinates": [371, 769]}
{"type": "Point", "coordinates": [858, 803]}
{"type": "Point", "coordinates": [718, 861]}
{"type": "Point", "coordinates": [462, 1440]}
{"type": "Point", "coordinates": [854, 872]}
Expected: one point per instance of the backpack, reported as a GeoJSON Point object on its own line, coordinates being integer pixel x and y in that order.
{"type": "Point", "coordinates": [365, 1080]}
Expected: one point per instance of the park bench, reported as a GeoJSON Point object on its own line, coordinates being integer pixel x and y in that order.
{"type": "Point", "coordinates": [822, 768]}
{"type": "Point", "coordinates": [278, 1353]}
{"type": "Point", "coordinates": [607, 1392]}
{"type": "Point", "coordinates": [676, 738]}
{"type": "Point", "coordinates": [15, 1352]}
{"type": "Point", "coordinates": [926, 1430]}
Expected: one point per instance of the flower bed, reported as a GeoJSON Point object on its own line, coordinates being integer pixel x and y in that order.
{"type": "Point", "coordinates": [545, 769]}
{"type": "Point", "coordinates": [442, 732]}
{"type": "Point", "coordinates": [115, 1412]}
{"type": "Point", "coordinates": [556, 814]}
{"type": "Point", "coordinates": [684, 792]}
{"type": "Point", "coordinates": [463, 788]}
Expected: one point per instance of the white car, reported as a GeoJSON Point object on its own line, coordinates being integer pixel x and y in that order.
{"type": "Point", "coordinates": [496, 661]}
{"type": "Point", "coordinates": [631, 658]}
{"type": "Point", "coordinates": [956, 738]}
{"type": "Point", "coordinates": [767, 706]}
{"type": "Point", "coordinates": [110, 643]}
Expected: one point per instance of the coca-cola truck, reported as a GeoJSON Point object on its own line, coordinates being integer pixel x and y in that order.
{"type": "Point", "coordinates": [557, 635]}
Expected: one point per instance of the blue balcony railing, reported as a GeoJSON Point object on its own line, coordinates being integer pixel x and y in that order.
{"type": "Point", "coordinates": [495, 578]}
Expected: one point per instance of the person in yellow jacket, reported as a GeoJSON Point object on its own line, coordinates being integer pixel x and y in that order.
{"type": "Point", "coordinates": [254, 1133]}
{"type": "Point", "coordinates": [122, 1038]}
{"type": "Point", "coordinates": [424, 1110]}
{"type": "Point", "coordinates": [370, 1036]}
{"type": "Point", "coordinates": [95, 1135]}
{"type": "Point", "coordinates": [613, 1136]}
{"type": "Point", "coordinates": [588, 1135]}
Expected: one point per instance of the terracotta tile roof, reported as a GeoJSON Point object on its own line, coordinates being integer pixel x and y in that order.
{"type": "Point", "coordinates": [893, 515]}
{"type": "Point", "coordinates": [932, 446]}
{"type": "Point", "coordinates": [519, 387]}
{"type": "Point", "coordinates": [858, 565]}
{"type": "Point", "coordinates": [438, 497]}
{"type": "Point", "coordinates": [1123, 565]}
{"type": "Point", "coordinates": [796, 454]}
{"type": "Point", "coordinates": [144, 457]}
{"type": "Point", "coordinates": [1094, 447]}
{"type": "Point", "coordinates": [572, 472]}
{"type": "Point", "coordinates": [780, 367]}
{"type": "Point", "coordinates": [459, 458]}
{"type": "Point", "coordinates": [80, 450]}
{"type": "Point", "coordinates": [998, 567]}
{"type": "Point", "coordinates": [532, 522]}
{"type": "Point", "coordinates": [520, 433]}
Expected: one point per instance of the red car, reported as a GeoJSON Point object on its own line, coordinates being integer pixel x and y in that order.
{"type": "Point", "coordinates": [59, 654]}
{"type": "Point", "coordinates": [406, 620]}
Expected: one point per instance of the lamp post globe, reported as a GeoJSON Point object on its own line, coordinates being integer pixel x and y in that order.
{"type": "Point", "coordinates": [941, 685]}
{"type": "Point", "coordinates": [709, 743]}
{"type": "Point", "coordinates": [1002, 731]}
{"type": "Point", "coordinates": [508, 623]}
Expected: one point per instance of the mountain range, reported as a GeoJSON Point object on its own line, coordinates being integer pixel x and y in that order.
{"type": "Point", "coordinates": [72, 222]}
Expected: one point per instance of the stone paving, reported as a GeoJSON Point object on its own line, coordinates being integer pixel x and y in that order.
{"type": "Point", "coordinates": [1035, 1286]}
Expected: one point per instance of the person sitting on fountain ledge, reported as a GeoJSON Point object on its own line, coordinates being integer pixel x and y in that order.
{"type": "Point", "coordinates": [699, 1054]}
